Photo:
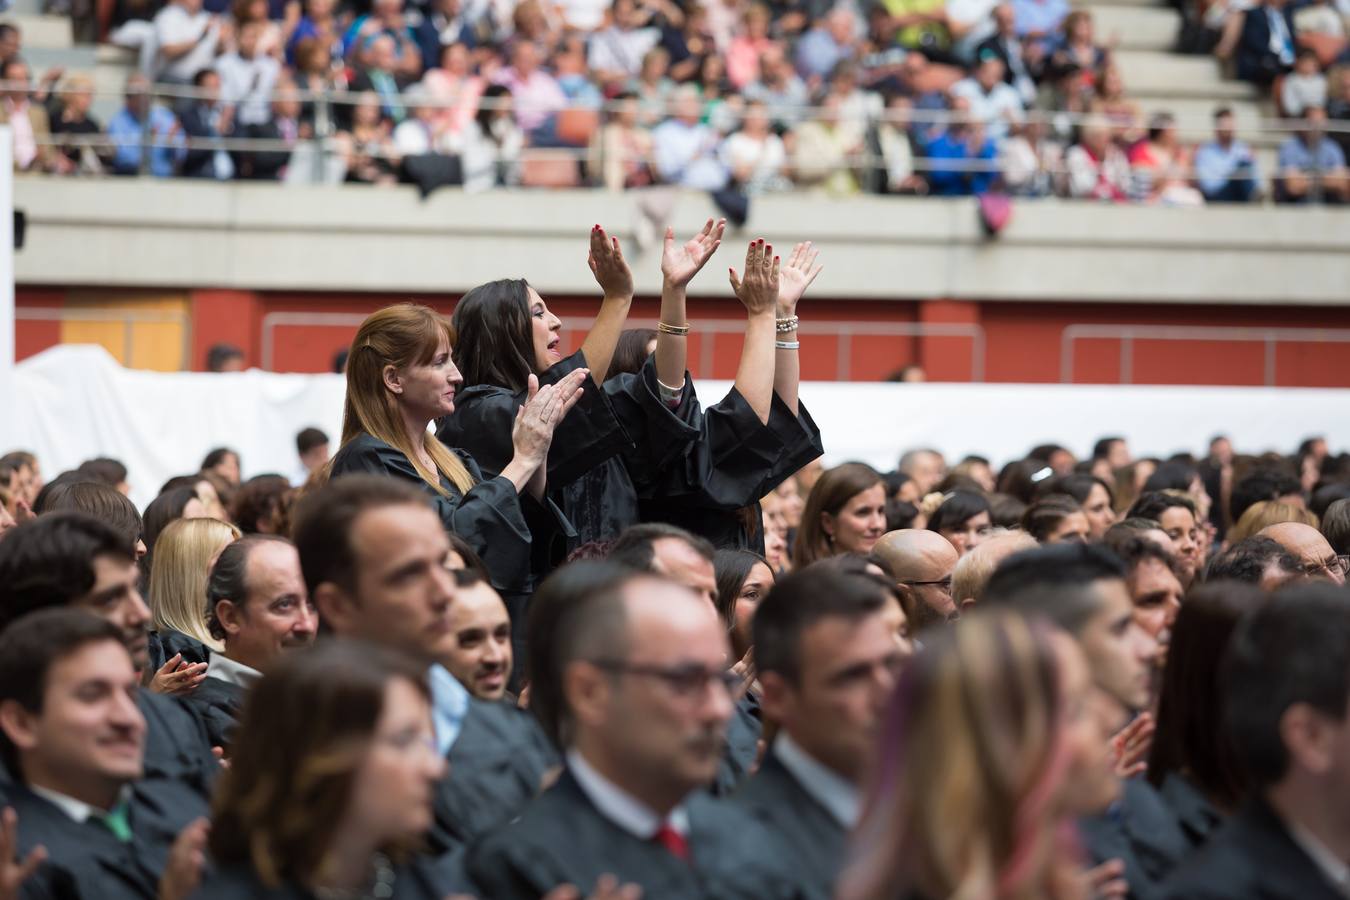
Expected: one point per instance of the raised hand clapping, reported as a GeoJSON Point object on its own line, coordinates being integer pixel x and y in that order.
{"type": "Point", "coordinates": [680, 263]}
{"type": "Point", "coordinates": [608, 265]}
{"type": "Point", "coordinates": [759, 291]}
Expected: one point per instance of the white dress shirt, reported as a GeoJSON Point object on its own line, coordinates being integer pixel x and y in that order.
{"type": "Point", "coordinates": [78, 810]}
{"type": "Point", "coordinates": [621, 807]}
{"type": "Point", "coordinates": [826, 786]}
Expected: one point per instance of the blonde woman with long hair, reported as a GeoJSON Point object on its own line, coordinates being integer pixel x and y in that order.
{"type": "Point", "coordinates": [400, 378]}
{"type": "Point", "coordinates": [181, 642]}
{"type": "Point", "coordinates": [994, 743]}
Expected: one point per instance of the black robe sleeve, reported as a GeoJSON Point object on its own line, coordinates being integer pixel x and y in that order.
{"type": "Point", "coordinates": [489, 516]}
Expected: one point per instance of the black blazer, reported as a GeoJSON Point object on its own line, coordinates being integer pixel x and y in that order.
{"type": "Point", "coordinates": [1255, 61]}
{"type": "Point", "coordinates": [809, 841]}
{"type": "Point", "coordinates": [496, 766]}
{"type": "Point", "coordinates": [84, 860]}
{"type": "Point", "coordinates": [166, 644]}
{"type": "Point", "coordinates": [217, 704]}
{"type": "Point", "coordinates": [742, 747]}
{"type": "Point", "coordinates": [1251, 857]}
{"type": "Point", "coordinates": [1197, 817]}
{"type": "Point", "coordinates": [418, 880]}
{"type": "Point", "coordinates": [1141, 831]}
{"type": "Point", "coordinates": [562, 838]}
{"type": "Point", "coordinates": [177, 743]}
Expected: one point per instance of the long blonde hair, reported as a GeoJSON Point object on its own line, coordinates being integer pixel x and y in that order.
{"type": "Point", "coordinates": [964, 801]}
{"type": "Point", "coordinates": [405, 334]}
{"type": "Point", "coordinates": [179, 570]}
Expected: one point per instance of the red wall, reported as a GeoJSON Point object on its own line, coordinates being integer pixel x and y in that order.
{"type": "Point", "coordinates": [1023, 340]}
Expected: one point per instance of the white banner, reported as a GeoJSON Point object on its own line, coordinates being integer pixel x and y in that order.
{"type": "Point", "coordinates": [72, 403]}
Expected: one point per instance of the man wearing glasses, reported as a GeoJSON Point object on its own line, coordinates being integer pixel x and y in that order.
{"type": "Point", "coordinates": [644, 703]}
{"type": "Point", "coordinates": [1311, 549]}
{"type": "Point", "coordinates": [921, 563]}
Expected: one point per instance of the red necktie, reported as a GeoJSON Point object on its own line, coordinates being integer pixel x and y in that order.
{"type": "Point", "coordinates": [673, 841]}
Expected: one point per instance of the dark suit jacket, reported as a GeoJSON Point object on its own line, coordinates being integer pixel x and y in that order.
{"type": "Point", "coordinates": [562, 838]}
{"type": "Point", "coordinates": [1255, 62]}
{"type": "Point", "coordinates": [85, 861]}
{"type": "Point", "coordinates": [742, 749]}
{"type": "Point", "coordinates": [419, 880]}
{"type": "Point", "coordinates": [496, 767]}
{"type": "Point", "coordinates": [1251, 857]}
{"type": "Point", "coordinates": [1197, 817]}
{"type": "Point", "coordinates": [1140, 831]}
{"type": "Point", "coordinates": [809, 841]}
{"type": "Point", "coordinates": [216, 702]}
{"type": "Point", "coordinates": [177, 745]}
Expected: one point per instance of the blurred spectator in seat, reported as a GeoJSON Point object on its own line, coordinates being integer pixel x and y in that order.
{"type": "Point", "coordinates": [33, 150]}
{"type": "Point", "coordinates": [651, 87]}
{"type": "Point", "coordinates": [314, 71]}
{"type": "Point", "coordinates": [616, 52]}
{"type": "Point", "coordinates": [744, 54]}
{"type": "Point", "coordinates": [1160, 166]}
{"type": "Point", "coordinates": [1123, 113]}
{"type": "Point", "coordinates": [971, 23]}
{"type": "Point", "coordinates": [689, 43]}
{"type": "Point", "coordinates": [367, 149]}
{"type": "Point", "coordinates": [1304, 87]}
{"type": "Point", "coordinates": [1338, 104]}
{"type": "Point", "coordinates": [1077, 45]}
{"type": "Point", "coordinates": [444, 25]}
{"type": "Point", "coordinates": [455, 88]}
{"type": "Point", "coordinates": [271, 39]}
{"type": "Point", "coordinates": [1033, 161]}
{"type": "Point", "coordinates": [1007, 46]}
{"type": "Point", "coordinates": [186, 40]}
{"type": "Point", "coordinates": [421, 132]}
{"type": "Point", "coordinates": [1320, 26]}
{"type": "Point", "coordinates": [386, 20]}
{"type": "Point", "coordinates": [126, 128]}
{"type": "Point", "coordinates": [831, 41]}
{"type": "Point", "coordinates": [858, 109]}
{"type": "Point", "coordinates": [899, 148]}
{"type": "Point", "coordinates": [283, 126]}
{"type": "Point", "coordinates": [224, 358]}
{"type": "Point", "coordinates": [755, 155]}
{"type": "Point", "coordinates": [379, 76]}
{"type": "Point", "coordinates": [685, 149]}
{"type": "Point", "coordinates": [1065, 100]}
{"type": "Point", "coordinates": [11, 41]}
{"type": "Point", "coordinates": [1039, 20]}
{"type": "Point", "coordinates": [1225, 168]}
{"type": "Point", "coordinates": [573, 74]}
{"type": "Point", "coordinates": [536, 96]}
{"type": "Point", "coordinates": [319, 23]}
{"type": "Point", "coordinates": [1265, 46]}
{"type": "Point", "coordinates": [583, 15]}
{"type": "Point", "coordinates": [993, 102]}
{"type": "Point", "coordinates": [721, 104]}
{"type": "Point", "coordinates": [1311, 165]}
{"type": "Point", "coordinates": [248, 76]}
{"type": "Point", "coordinates": [779, 89]}
{"type": "Point", "coordinates": [622, 150]}
{"type": "Point", "coordinates": [207, 119]}
{"type": "Point", "coordinates": [962, 156]}
{"type": "Point", "coordinates": [826, 153]}
{"type": "Point", "coordinates": [531, 22]}
{"type": "Point", "coordinates": [1097, 169]}
{"type": "Point", "coordinates": [70, 115]}
{"type": "Point", "coordinates": [921, 25]}
{"type": "Point", "coordinates": [492, 143]}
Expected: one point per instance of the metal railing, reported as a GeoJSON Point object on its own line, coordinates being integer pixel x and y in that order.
{"type": "Point", "coordinates": [844, 331]}
{"type": "Point", "coordinates": [1268, 338]}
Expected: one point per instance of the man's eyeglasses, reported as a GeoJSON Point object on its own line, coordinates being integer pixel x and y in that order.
{"type": "Point", "coordinates": [944, 585]}
{"type": "Point", "coordinates": [1336, 565]}
{"type": "Point", "coordinates": [686, 681]}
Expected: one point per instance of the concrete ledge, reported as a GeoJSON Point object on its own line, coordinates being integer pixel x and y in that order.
{"type": "Point", "coordinates": [187, 234]}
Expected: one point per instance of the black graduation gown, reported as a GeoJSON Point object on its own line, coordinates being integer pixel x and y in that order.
{"type": "Point", "coordinates": [1250, 857]}
{"type": "Point", "coordinates": [613, 442]}
{"type": "Point", "coordinates": [810, 842]}
{"type": "Point", "coordinates": [177, 743]}
{"type": "Point", "coordinates": [562, 838]}
{"type": "Point", "coordinates": [419, 879]}
{"type": "Point", "coordinates": [1197, 817]}
{"type": "Point", "coordinates": [217, 702]}
{"type": "Point", "coordinates": [166, 644]}
{"type": "Point", "coordinates": [1141, 831]}
{"type": "Point", "coordinates": [736, 461]}
{"type": "Point", "coordinates": [84, 860]}
{"type": "Point", "coordinates": [495, 767]}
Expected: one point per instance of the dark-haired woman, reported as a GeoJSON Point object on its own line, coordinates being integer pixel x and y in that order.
{"type": "Point", "coordinates": [1092, 493]}
{"type": "Point", "coordinates": [1192, 762]}
{"type": "Point", "coordinates": [1056, 519]}
{"type": "Point", "coordinates": [508, 336]}
{"type": "Point", "coordinates": [964, 519]}
{"type": "Point", "coordinates": [743, 579]}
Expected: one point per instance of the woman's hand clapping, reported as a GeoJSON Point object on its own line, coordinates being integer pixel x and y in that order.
{"type": "Point", "coordinates": [608, 265]}
{"type": "Point", "coordinates": [681, 262]}
{"type": "Point", "coordinates": [759, 291]}
{"type": "Point", "coordinates": [795, 277]}
{"type": "Point", "coordinates": [543, 409]}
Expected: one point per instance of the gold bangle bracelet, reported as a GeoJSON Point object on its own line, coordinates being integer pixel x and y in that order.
{"type": "Point", "coordinates": [677, 330]}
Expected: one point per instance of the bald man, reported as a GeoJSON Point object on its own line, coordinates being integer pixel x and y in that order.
{"type": "Point", "coordinates": [1310, 548]}
{"type": "Point", "coordinates": [922, 563]}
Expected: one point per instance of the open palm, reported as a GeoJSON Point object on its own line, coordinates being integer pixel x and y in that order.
{"type": "Point", "coordinates": [680, 263]}
{"type": "Point", "coordinates": [796, 277]}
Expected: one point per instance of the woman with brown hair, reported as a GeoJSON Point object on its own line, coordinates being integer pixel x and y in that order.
{"type": "Point", "coordinates": [330, 784]}
{"type": "Point", "coordinates": [400, 378]}
{"type": "Point", "coordinates": [993, 745]}
{"type": "Point", "coordinates": [845, 513]}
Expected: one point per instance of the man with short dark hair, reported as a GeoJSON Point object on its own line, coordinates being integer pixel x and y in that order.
{"type": "Point", "coordinates": [662, 549]}
{"type": "Point", "coordinates": [224, 358]}
{"type": "Point", "coordinates": [374, 553]}
{"type": "Point", "coordinates": [1155, 589]}
{"type": "Point", "coordinates": [106, 470]}
{"type": "Point", "coordinates": [1287, 695]}
{"type": "Point", "coordinates": [1082, 589]}
{"type": "Point", "coordinates": [1114, 450]}
{"type": "Point", "coordinates": [311, 445]}
{"type": "Point", "coordinates": [1256, 560]}
{"type": "Point", "coordinates": [257, 606]}
{"type": "Point", "coordinates": [1264, 484]}
{"type": "Point", "coordinates": [73, 736]}
{"type": "Point", "coordinates": [70, 559]}
{"type": "Point", "coordinates": [480, 657]}
{"type": "Point", "coordinates": [826, 658]}
{"type": "Point", "coordinates": [645, 699]}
